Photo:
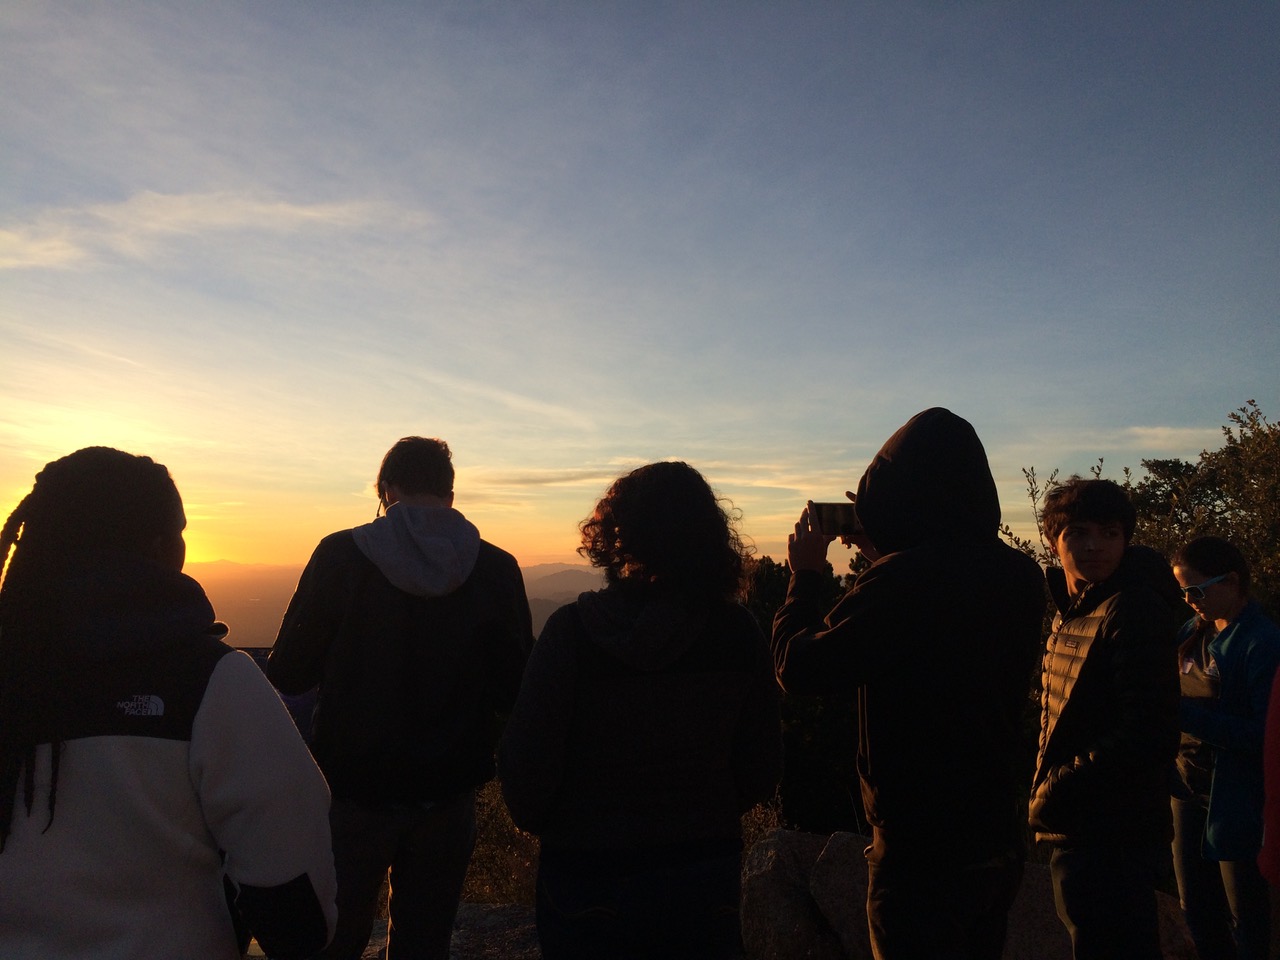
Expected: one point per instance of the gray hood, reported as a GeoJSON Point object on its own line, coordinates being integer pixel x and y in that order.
{"type": "Point", "coordinates": [425, 551]}
{"type": "Point", "coordinates": [646, 631]}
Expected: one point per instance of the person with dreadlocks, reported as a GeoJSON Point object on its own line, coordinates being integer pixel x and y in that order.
{"type": "Point", "coordinates": [155, 798]}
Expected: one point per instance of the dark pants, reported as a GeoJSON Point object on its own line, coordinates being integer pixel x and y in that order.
{"type": "Point", "coordinates": [1226, 903]}
{"type": "Point", "coordinates": [917, 910]}
{"type": "Point", "coordinates": [1106, 899]}
{"type": "Point", "coordinates": [427, 849]}
{"type": "Point", "coordinates": [682, 911]}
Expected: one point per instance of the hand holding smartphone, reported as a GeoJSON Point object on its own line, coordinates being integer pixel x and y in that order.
{"type": "Point", "coordinates": [833, 519]}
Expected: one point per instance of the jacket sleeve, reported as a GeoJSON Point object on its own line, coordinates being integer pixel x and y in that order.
{"type": "Point", "coordinates": [531, 755]}
{"type": "Point", "coordinates": [296, 662]}
{"type": "Point", "coordinates": [757, 744]}
{"type": "Point", "coordinates": [267, 806]}
{"type": "Point", "coordinates": [1230, 730]}
{"type": "Point", "coordinates": [511, 648]}
{"type": "Point", "coordinates": [813, 656]}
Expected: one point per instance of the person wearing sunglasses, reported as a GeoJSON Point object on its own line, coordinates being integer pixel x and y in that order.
{"type": "Point", "coordinates": [1228, 655]}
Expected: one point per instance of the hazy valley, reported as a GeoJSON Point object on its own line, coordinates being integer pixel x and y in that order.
{"type": "Point", "coordinates": [251, 598]}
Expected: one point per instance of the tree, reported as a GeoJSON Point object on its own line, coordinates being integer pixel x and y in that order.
{"type": "Point", "coordinates": [1232, 492]}
{"type": "Point", "coordinates": [820, 781]}
{"type": "Point", "coordinates": [767, 589]}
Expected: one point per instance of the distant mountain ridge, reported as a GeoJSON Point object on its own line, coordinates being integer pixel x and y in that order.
{"type": "Point", "coordinates": [563, 583]}
{"type": "Point", "coordinates": [250, 598]}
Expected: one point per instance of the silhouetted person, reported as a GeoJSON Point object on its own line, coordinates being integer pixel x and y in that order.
{"type": "Point", "coordinates": [938, 638]}
{"type": "Point", "coordinates": [1228, 654]}
{"type": "Point", "coordinates": [416, 631]}
{"type": "Point", "coordinates": [1109, 722]}
{"type": "Point", "coordinates": [154, 795]}
{"type": "Point", "coordinates": [647, 724]}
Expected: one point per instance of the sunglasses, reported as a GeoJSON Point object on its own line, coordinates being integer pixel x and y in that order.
{"type": "Point", "coordinates": [1196, 590]}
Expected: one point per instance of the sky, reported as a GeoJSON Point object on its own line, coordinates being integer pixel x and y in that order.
{"type": "Point", "coordinates": [259, 242]}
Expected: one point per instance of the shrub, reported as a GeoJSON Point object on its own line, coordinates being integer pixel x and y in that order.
{"type": "Point", "coordinates": [504, 865]}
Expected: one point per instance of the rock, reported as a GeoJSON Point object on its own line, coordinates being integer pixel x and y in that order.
{"type": "Point", "coordinates": [481, 931]}
{"type": "Point", "coordinates": [487, 932]}
{"type": "Point", "coordinates": [780, 917]}
{"type": "Point", "coordinates": [1035, 932]}
{"type": "Point", "coordinates": [1175, 938]}
{"type": "Point", "coordinates": [804, 898]}
{"type": "Point", "coordinates": [838, 884]}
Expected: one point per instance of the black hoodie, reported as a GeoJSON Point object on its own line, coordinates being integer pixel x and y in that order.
{"type": "Point", "coordinates": [939, 638]}
{"type": "Point", "coordinates": [646, 726]}
{"type": "Point", "coordinates": [929, 483]}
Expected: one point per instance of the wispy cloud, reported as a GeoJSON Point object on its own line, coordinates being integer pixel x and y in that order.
{"type": "Point", "coordinates": [57, 351]}
{"type": "Point", "coordinates": [44, 246]}
{"type": "Point", "coordinates": [527, 407]}
{"type": "Point", "coordinates": [67, 236]}
{"type": "Point", "coordinates": [552, 478]}
{"type": "Point", "coordinates": [1075, 446]}
{"type": "Point", "coordinates": [1172, 439]}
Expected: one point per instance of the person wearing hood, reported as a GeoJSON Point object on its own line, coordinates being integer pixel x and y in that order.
{"type": "Point", "coordinates": [155, 798]}
{"type": "Point", "coordinates": [416, 631]}
{"type": "Point", "coordinates": [1109, 728]}
{"type": "Point", "coordinates": [647, 724]}
{"type": "Point", "coordinates": [939, 638]}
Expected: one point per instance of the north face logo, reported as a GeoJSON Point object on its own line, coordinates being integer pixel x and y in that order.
{"type": "Point", "coordinates": [142, 705]}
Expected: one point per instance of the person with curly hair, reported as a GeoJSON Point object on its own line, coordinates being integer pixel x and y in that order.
{"type": "Point", "coordinates": [646, 725]}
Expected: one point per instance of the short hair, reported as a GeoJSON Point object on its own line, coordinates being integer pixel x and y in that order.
{"type": "Point", "coordinates": [417, 465]}
{"type": "Point", "coordinates": [1214, 557]}
{"type": "Point", "coordinates": [663, 524]}
{"type": "Point", "coordinates": [1079, 500]}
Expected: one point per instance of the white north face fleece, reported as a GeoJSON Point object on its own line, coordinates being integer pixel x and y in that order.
{"type": "Point", "coordinates": [157, 799]}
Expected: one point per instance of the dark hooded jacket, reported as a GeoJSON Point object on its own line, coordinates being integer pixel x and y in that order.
{"type": "Point", "coordinates": [939, 639]}
{"type": "Point", "coordinates": [645, 727]}
{"type": "Point", "coordinates": [1109, 726]}
{"type": "Point", "coordinates": [416, 631]}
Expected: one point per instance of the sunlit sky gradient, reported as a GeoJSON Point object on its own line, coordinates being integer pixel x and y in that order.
{"type": "Point", "coordinates": [261, 241]}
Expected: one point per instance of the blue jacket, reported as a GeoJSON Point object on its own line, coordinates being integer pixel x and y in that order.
{"type": "Point", "coordinates": [1247, 653]}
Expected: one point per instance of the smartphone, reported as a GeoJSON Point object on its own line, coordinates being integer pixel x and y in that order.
{"type": "Point", "coordinates": [834, 519]}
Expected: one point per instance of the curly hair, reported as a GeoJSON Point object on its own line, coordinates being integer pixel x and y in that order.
{"type": "Point", "coordinates": [662, 524]}
{"type": "Point", "coordinates": [1079, 500]}
{"type": "Point", "coordinates": [81, 509]}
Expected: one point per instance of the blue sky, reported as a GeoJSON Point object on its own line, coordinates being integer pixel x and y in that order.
{"type": "Point", "coordinates": [261, 241]}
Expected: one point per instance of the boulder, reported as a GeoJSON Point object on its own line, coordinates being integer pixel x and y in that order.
{"type": "Point", "coordinates": [838, 885]}
{"type": "Point", "coordinates": [804, 898]}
